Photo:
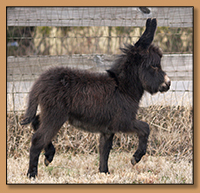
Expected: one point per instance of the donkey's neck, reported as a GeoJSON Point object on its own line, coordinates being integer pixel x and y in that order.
{"type": "Point", "coordinates": [132, 88]}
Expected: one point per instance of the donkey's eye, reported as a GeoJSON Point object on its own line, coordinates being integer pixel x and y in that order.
{"type": "Point", "coordinates": [154, 67]}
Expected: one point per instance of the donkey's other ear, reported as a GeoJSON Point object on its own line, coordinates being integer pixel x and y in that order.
{"type": "Point", "coordinates": [148, 35]}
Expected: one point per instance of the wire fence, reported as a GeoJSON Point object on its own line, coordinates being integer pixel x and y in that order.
{"type": "Point", "coordinates": [89, 38]}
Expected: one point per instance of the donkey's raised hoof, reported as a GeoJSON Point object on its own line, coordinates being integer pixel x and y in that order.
{"type": "Point", "coordinates": [133, 161]}
{"type": "Point", "coordinates": [46, 162]}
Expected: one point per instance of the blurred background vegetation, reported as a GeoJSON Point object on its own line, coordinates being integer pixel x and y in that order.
{"type": "Point", "coordinates": [25, 41]}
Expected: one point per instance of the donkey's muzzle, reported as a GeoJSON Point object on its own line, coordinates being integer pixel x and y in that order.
{"type": "Point", "coordinates": [164, 87]}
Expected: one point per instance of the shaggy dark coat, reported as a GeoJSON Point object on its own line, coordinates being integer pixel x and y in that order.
{"type": "Point", "coordinates": [96, 102]}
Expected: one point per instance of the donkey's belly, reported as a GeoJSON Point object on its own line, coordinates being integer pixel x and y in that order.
{"type": "Point", "coordinates": [89, 127]}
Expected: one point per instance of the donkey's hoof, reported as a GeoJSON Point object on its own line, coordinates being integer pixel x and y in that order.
{"type": "Point", "coordinates": [46, 162]}
{"type": "Point", "coordinates": [32, 174]}
{"type": "Point", "coordinates": [133, 161]}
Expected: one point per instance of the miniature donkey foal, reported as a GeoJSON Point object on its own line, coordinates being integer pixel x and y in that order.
{"type": "Point", "coordinates": [97, 102]}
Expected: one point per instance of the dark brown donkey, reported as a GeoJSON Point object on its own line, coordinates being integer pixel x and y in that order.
{"type": "Point", "coordinates": [105, 103]}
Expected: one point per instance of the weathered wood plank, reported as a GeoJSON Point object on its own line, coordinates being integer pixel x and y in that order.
{"type": "Point", "coordinates": [177, 66]}
{"type": "Point", "coordinates": [98, 16]}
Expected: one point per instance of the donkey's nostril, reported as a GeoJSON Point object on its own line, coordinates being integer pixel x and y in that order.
{"type": "Point", "coordinates": [169, 83]}
{"type": "Point", "coordinates": [165, 85]}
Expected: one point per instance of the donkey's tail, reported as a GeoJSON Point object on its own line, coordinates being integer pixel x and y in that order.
{"type": "Point", "coordinates": [31, 110]}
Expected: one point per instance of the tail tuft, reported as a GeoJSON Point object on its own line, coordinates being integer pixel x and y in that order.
{"type": "Point", "coordinates": [32, 106]}
{"type": "Point", "coordinates": [25, 121]}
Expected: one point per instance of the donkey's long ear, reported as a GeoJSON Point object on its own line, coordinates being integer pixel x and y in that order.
{"type": "Point", "coordinates": [148, 35]}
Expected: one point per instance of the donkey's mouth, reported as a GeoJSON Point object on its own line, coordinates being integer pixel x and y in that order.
{"type": "Point", "coordinates": [165, 86]}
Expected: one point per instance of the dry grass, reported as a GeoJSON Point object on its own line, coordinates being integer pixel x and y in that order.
{"type": "Point", "coordinates": [168, 160]}
{"type": "Point", "coordinates": [83, 169]}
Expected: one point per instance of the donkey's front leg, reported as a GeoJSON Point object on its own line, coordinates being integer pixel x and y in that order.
{"type": "Point", "coordinates": [143, 131]}
{"type": "Point", "coordinates": [105, 144]}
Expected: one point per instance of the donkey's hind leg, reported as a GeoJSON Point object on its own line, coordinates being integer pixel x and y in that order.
{"type": "Point", "coordinates": [41, 139]}
{"type": "Point", "coordinates": [143, 131]}
{"type": "Point", "coordinates": [37, 145]}
{"type": "Point", "coordinates": [49, 149]}
{"type": "Point", "coordinates": [104, 149]}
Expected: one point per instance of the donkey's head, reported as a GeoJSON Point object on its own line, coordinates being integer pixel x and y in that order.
{"type": "Point", "coordinates": [139, 68]}
{"type": "Point", "coordinates": [151, 75]}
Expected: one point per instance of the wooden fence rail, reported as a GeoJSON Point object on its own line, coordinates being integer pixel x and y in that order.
{"type": "Point", "coordinates": [98, 16]}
